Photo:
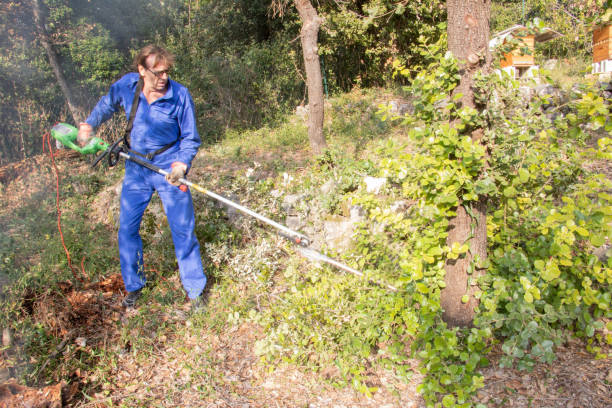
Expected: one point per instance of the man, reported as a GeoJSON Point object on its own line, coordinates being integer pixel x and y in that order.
{"type": "Point", "coordinates": [164, 128]}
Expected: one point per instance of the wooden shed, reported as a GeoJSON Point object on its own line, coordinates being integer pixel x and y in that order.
{"type": "Point", "coordinates": [602, 49]}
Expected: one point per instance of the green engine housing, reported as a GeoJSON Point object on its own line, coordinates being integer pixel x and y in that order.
{"type": "Point", "coordinates": [66, 134]}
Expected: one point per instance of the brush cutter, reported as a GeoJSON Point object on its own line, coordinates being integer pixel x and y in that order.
{"type": "Point", "coordinates": [65, 132]}
{"type": "Point", "coordinates": [67, 135]}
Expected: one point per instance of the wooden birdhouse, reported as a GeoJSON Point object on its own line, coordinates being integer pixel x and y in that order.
{"type": "Point", "coordinates": [602, 49]}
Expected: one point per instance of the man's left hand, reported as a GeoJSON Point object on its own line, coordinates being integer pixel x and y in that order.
{"type": "Point", "coordinates": [85, 133]}
{"type": "Point", "coordinates": [178, 172]}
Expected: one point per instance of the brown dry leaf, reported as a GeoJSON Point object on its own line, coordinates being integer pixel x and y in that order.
{"type": "Point", "coordinates": [13, 395]}
{"type": "Point", "coordinates": [542, 387]}
{"type": "Point", "coordinates": [514, 384]}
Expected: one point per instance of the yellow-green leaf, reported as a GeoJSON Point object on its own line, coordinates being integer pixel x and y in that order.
{"type": "Point", "coordinates": [582, 231]}
{"type": "Point", "coordinates": [421, 287]}
{"type": "Point", "coordinates": [551, 271]}
{"type": "Point", "coordinates": [598, 240]}
{"type": "Point", "coordinates": [509, 192]}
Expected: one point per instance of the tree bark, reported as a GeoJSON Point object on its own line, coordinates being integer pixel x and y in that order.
{"type": "Point", "coordinates": [468, 38]}
{"type": "Point", "coordinates": [77, 113]}
{"type": "Point", "coordinates": [314, 81]}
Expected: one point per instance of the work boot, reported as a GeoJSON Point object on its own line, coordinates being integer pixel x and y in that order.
{"type": "Point", "coordinates": [198, 304]}
{"type": "Point", "coordinates": [131, 298]}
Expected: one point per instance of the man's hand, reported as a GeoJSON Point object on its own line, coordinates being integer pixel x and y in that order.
{"type": "Point", "coordinates": [85, 133]}
{"type": "Point", "coordinates": [178, 172]}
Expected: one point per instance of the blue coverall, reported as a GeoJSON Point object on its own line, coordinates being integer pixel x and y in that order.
{"type": "Point", "coordinates": [170, 118]}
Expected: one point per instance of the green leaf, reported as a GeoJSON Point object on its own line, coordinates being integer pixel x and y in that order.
{"type": "Point", "coordinates": [590, 331]}
{"type": "Point", "coordinates": [456, 248]}
{"type": "Point", "coordinates": [485, 186]}
{"type": "Point", "coordinates": [509, 192]}
{"type": "Point", "coordinates": [448, 401]}
{"type": "Point", "coordinates": [421, 287]}
{"type": "Point", "coordinates": [523, 175]}
{"type": "Point", "coordinates": [598, 240]}
{"type": "Point", "coordinates": [582, 231]}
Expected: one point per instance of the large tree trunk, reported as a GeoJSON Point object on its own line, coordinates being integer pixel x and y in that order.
{"type": "Point", "coordinates": [468, 38]}
{"type": "Point", "coordinates": [77, 113]}
{"type": "Point", "coordinates": [309, 33]}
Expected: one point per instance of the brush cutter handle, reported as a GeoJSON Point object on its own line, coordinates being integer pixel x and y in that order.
{"type": "Point", "coordinates": [112, 152]}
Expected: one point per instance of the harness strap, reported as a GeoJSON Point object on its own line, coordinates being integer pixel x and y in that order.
{"type": "Point", "coordinates": [128, 129]}
{"type": "Point", "coordinates": [135, 102]}
{"type": "Point", "coordinates": [151, 155]}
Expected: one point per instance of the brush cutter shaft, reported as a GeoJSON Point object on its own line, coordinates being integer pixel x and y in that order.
{"type": "Point", "coordinates": [293, 236]}
{"type": "Point", "coordinates": [318, 256]}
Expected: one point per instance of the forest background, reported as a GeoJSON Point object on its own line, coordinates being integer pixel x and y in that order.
{"type": "Point", "coordinates": [242, 63]}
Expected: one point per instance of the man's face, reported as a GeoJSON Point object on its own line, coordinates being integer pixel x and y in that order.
{"type": "Point", "coordinates": [155, 77]}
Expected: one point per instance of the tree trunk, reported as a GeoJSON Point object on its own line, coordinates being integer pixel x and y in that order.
{"type": "Point", "coordinates": [77, 113]}
{"type": "Point", "coordinates": [314, 82]}
{"type": "Point", "coordinates": [468, 38]}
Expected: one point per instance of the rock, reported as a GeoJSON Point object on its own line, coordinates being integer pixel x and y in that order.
{"type": "Point", "coordinates": [603, 253]}
{"type": "Point", "coordinates": [400, 107]}
{"type": "Point", "coordinates": [399, 206]}
{"type": "Point", "coordinates": [441, 104]}
{"type": "Point", "coordinates": [329, 186]}
{"type": "Point", "coordinates": [289, 203]}
{"type": "Point", "coordinates": [554, 96]}
{"type": "Point", "coordinates": [526, 93]}
{"type": "Point", "coordinates": [374, 184]}
{"type": "Point", "coordinates": [293, 222]}
{"type": "Point", "coordinates": [545, 89]}
{"type": "Point", "coordinates": [357, 213]}
{"type": "Point", "coordinates": [338, 232]}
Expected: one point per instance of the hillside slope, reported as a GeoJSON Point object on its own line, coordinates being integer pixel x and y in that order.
{"type": "Point", "coordinates": [63, 324]}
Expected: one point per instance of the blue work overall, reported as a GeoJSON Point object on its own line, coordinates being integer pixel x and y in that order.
{"type": "Point", "coordinates": [169, 119]}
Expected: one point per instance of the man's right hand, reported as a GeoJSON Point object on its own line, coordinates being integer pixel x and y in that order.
{"type": "Point", "coordinates": [85, 133]}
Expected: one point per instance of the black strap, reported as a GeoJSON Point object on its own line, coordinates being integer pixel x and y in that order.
{"type": "Point", "coordinates": [151, 155]}
{"type": "Point", "coordinates": [128, 129]}
{"type": "Point", "coordinates": [135, 102]}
